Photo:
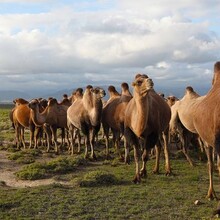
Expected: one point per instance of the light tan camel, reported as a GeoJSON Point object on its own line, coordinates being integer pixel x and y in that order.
{"type": "Point", "coordinates": [178, 131]}
{"type": "Point", "coordinates": [73, 131]}
{"type": "Point", "coordinates": [85, 115]}
{"type": "Point", "coordinates": [147, 117]}
{"type": "Point", "coordinates": [54, 116]}
{"type": "Point", "coordinates": [202, 115]}
{"type": "Point", "coordinates": [113, 115]}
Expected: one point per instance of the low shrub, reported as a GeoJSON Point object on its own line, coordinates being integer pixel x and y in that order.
{"type": "Point", "coordinates": [98, 178]}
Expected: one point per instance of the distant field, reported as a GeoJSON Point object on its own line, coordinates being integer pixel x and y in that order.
{"type": "Point", "coordinates": [6, 106]}
{"type": "Point", "coordinates": [101, 189]}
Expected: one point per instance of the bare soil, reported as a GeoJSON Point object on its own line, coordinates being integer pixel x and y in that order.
{"type": "Point", "coordinates": [8, 168]}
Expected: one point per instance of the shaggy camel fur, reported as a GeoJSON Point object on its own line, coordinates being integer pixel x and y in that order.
{"type": "Point", "coordinates": [54, 116]}
{"type": "Point", "coordinates": [147, 118]}
{"type": "Point", "coordinates": [85, 115]}
{"type": "Point", "coordinates": [113, 115]}
{"type": "Point", "coordinates": [197, 112]}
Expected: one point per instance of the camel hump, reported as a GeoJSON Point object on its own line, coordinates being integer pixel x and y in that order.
{"type": "Point", "coordinates": [141, 75]}
{"type": "Point", "coordinates": [112, 89]}
{"type": "Point", "coordinates": [89, 87]}
{"type": "Point", "coordinates": [79, 91]}
{"type": "Point", "coordinates": [217, 66]}
{"type": "Point", "coordinates": [52, 101]}
{"type": "Point", "coordinates": [189, 89]}
{"type": "Point", "coordinates": [124, 86]}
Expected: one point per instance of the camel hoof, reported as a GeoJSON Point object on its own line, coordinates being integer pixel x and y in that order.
{"type": "Point", "coordinates": [156, 172]}
{"type": "Point", "coordinates": [143, 173]}
{"type": "Point", "coordinates": [168, 173]}
{"type": "Point", "coordinates": [94, 157]}
{"type": "Point", "coordinates": [136, 181]}
{"type": "Point", "coordinates": [127, 160]}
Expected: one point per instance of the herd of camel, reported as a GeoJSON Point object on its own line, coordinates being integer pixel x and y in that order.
{"type": "Point", "coordinates": [145, 120]}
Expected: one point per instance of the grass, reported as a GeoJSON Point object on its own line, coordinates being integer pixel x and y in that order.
{"type": "Point", "coordinates": [104, 189]}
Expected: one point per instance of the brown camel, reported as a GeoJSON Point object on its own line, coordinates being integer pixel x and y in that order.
{"type": "Point", "coordinates": [54, 116]}
{"type": "Point", "coordinates": [65, 100]}
{"type": "Point", "coordinates": [20, 117]}
{"type": "Point", "coordinates": [113, 115]}
{"type": "Point", "coordinates": [85, 115]}
{"type": "Point", "coordinates": [147, 118]}
{"type": "Point", "coordinates": [202, 115]}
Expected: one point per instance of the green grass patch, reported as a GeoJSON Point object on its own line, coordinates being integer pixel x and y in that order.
{"type": "Point", "coordinates": [60, 165]}
{"type": "Point", "coordinates": [98, 178]}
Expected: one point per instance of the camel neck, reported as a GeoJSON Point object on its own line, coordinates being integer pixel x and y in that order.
{"type": "Point", "coordinates": [37, 117]}
{"type": "Point", "coordinates": [142, 107]}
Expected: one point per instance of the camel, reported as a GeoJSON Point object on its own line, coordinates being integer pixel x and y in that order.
{"type": "Point", "coordinates": [53, 117]}
{"type": "Point", "coordinates": [20, 117]}
{"type": "Point", "coordinates": [147, 119]}
{"type": "Point", "coordinates": [201, 115]}
{"type": "Point", "coordinates": [85, 114]}
{"type": "Point", "coordinates": [73, 131]}
{"type": "Point", "coordinates": [65, 100]}
{"type": "Point", "coordinates": [113, 115]}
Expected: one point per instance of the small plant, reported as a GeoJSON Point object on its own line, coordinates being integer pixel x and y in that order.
{"type": "Point", "coordinates": [32, 172]}
{"type": "Point", "coordinates": [98, 178]}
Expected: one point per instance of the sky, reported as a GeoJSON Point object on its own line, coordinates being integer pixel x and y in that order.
{"type": "Point", "coordinates": [51, 45]}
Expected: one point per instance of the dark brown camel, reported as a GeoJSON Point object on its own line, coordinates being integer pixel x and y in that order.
{"type": "Point", "coordinates": [147, 118]}
{"type": "Point", "coordinates": [113, 115]}
{"type": "Point", "coordinates": [85, 115]}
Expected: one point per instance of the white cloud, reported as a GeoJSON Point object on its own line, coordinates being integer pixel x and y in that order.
{"type": "Point", "coordinates": [168, 40]}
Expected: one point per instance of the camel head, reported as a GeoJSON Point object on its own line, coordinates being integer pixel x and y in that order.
{"type": "Point", "coordinates": [20, 101]}
{"type": "Point", "coordinates": [52, 102]}
{"type": "Point", "coordinates": [171, 100]}
{"type": "Point", "coordinates": [142, 84]}
{"type": "Point", "coordinates": [43, 103]}
{"type": "Point", "coordinates": [98, 92]}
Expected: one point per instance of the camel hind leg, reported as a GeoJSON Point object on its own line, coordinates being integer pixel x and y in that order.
{"type": "Point", "coordinates": [211, 193]}
{"type": "Point", "coordinates": [165, 137]}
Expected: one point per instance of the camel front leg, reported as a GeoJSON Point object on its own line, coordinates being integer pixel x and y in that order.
{"type": "Point", "coordinates": [22, 137]}
{"type": "Point", "coordinates": [145, 157]}
{"type": "Point", "coordinates": [86, 146]}
{"type": "Point", "coordinates": [157, 162]}
{"type": "Point", "coordinates": [78, 136]}
{"type": "Point", "coordinates": [106, 136]}
{"type": "Point", "coordinates": [54, 138]}
{"type": "Point", "coordinates": [211, 193]}
{"type": "Point", "coordinates": [137, 177]}
{"type": "Point", "coordinates": [127, 156]}
{"type": "Point", "coordinates": [92, 144]}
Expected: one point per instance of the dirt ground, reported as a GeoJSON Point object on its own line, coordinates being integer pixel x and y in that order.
{"type": "Point", "coordinates": [8, 177]}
